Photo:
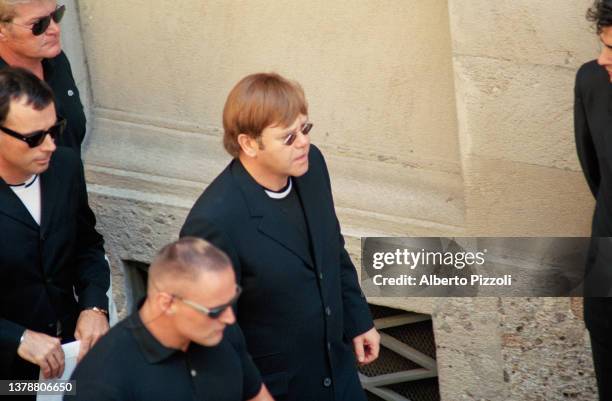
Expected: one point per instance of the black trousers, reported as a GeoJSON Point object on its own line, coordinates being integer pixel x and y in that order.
{"type": "Point", "coordinates": [602, 359]}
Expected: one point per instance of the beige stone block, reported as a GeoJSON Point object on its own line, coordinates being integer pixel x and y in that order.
{"type": "Point", "coordinates": [518, 112]}
{"type": "Point", "coordinates": [468, 352]}
{"type": "Point", "coordinates": [378, 76]}
{"type": "Point", "coordinates": [517, 199]}
{"type": "Point", "coordinates": [544, 32]}
{"type": "Point", "coordinates": [372, 197]}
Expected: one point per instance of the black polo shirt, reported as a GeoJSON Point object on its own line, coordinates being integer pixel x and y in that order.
{"type": "Point", "coordinates": [58, 75]}
{"type": "Point", "coordinates": [129, 364]}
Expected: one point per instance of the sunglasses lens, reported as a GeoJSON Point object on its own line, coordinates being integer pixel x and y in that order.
{"type": "Point", "coordinates": [36, 139]}
{"type": "Point", "coordinates": [290, 139]}
{"type": "Point", "coordinates": [41, 26]}
{"type": "Point", "coordinates": [58, 14]}
{"type": "Point", "coordinates": [307, 128]}
{"type": "Point", "coordinates": [215, 313]}
{"type": "Point", "coordinates": [57, 129]}
{"type": "Point", "coordinates": [218, 311]}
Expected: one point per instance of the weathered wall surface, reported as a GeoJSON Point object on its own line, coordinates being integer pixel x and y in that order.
{"type": "Point", "coordinates": [374, 74]}
{"type": "Point", "coordinates": [436, 119]}
{"type": "Point", "coordinates": [514, 65]}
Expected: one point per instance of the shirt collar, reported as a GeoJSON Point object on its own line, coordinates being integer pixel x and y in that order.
{"type": "Point", "coordinates": [281, 194]}
{"type": "Point", "coordinates": [151, 348]}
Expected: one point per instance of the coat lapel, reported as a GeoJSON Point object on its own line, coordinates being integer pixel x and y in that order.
{"type": "Point", "coordinates": [273, 223]}
{"type": "Point", "coordinates": [12, 206]}
{"type": "Point", "coordinates": [307, 190]}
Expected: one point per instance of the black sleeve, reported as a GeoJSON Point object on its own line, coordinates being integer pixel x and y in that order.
{"type": "Point", "coordinates": [69, 107]}
{"type": "Point", "coordinates": [357, 317]}
{"type": "Point", "coordinates": [587, 153]}
{"type": "Point", "coordinates": [10, 334]}
{"type": "Point", "coordinates": [251, 378]}
{"type": "Point", "coordinates": [93, 278]}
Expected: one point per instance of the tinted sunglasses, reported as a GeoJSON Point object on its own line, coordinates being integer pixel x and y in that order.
{"type": "Point", "coordinates": [40, 26]}
{"type": "Point", "coordinates": [291, 137]}
{"type": "Point", "coordinates": [215, 312]}
{"type": "Point", "coordinates": [36, 138]}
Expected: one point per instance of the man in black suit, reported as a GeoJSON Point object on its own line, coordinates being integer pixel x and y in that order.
{"type": "Point", "coordinates": [593, 126]}
{"type": "Point", "coordinates": [49, 248]}
{"type": "Point", "coordinates": [304, 317]}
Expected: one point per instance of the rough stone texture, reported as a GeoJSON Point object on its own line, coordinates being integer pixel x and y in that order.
{"type": "Point", "coordinates": [371, 110]}
{"type": "Point", "coordinates": [514, 65]}
{"type": "Point", "coordinates": [436, 119]}
{"type": "Point", "coordinates": [546, 350]}
{"type": "Point", "coordinates": [468, 349]}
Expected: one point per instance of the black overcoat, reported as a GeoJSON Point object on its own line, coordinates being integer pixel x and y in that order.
{"type": "Point", "coordinates": [593, 130]}
{"type": "Point", "coordinates": [300, 308]}
{"type": "Point", "coordinates": [42, 267]}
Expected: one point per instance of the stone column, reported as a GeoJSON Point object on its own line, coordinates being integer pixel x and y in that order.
{"type": "Point", "coordinates": [514, 65]}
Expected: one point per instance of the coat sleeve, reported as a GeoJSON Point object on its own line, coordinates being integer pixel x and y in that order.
{"type": "Point", "coordinates": [587, 153]}
{"type": "Point", "coordinates": [357, 318]}
{"type": "Point", "coordinates": [10, 334]}
{"type": "Point", "coordinates": [93, 273]}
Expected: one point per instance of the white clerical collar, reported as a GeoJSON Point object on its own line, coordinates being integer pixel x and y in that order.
{"type": "Point", "coordinates": [283, 193]}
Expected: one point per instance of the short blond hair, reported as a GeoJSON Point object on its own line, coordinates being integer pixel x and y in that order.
{"type": "Point", "coordinates": [186, 259]}
{"type": "Point", "coordinates": [7, 8]}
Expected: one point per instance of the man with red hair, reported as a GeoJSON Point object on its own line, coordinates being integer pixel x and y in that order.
{"type": "Point", "coordinates": [304, 317]}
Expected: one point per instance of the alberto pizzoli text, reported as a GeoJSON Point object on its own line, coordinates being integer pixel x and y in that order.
{"type": "Point", "coordinates": [436, 281]}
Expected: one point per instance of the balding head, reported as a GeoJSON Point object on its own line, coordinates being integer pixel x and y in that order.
{"type": "Point", "coordinates": [184, 261]}
{"type": "Point", "coordinates": [187, 279]}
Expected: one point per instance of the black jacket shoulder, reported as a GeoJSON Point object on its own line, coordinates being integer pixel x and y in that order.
{"type": "Point", "coordinates": [65, 160]}
{"type": "Point", "coordinates": [590, 75]}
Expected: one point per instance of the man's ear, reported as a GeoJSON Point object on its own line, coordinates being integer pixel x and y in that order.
{"type": "Point", "coordinates": [248, 145]}
{"type": "Point", "coordinates": [3, 31]}
{"type": "Point", "coordinates": [165, 302]}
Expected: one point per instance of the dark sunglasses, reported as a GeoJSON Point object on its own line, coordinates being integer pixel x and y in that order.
{"type": "Point", "coordinates": [291, 137]}
{"type": "Point", "coordinates": [40, 26]}
{"type": "Point", "coordinates": [36, 138]}
{"type": "Point", "coordinates": [215, 312]}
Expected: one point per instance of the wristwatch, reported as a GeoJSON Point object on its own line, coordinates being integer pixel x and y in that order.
{"type": "Point", "coordinates": [99, 310]}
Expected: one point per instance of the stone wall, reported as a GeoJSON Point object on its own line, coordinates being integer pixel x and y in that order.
{"type": "Point", "coordinates": [436, 118]}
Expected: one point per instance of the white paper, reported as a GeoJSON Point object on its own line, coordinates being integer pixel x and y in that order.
{"type": "Point", "coordinates": [71, 351]}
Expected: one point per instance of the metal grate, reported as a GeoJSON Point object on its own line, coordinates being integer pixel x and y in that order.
{"type": "Point", "coordinates": [388, 362]}
{"type": "Point", "coordinates": [406, 367]}
{"type": "Point", "coordinates": [418, 335]}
